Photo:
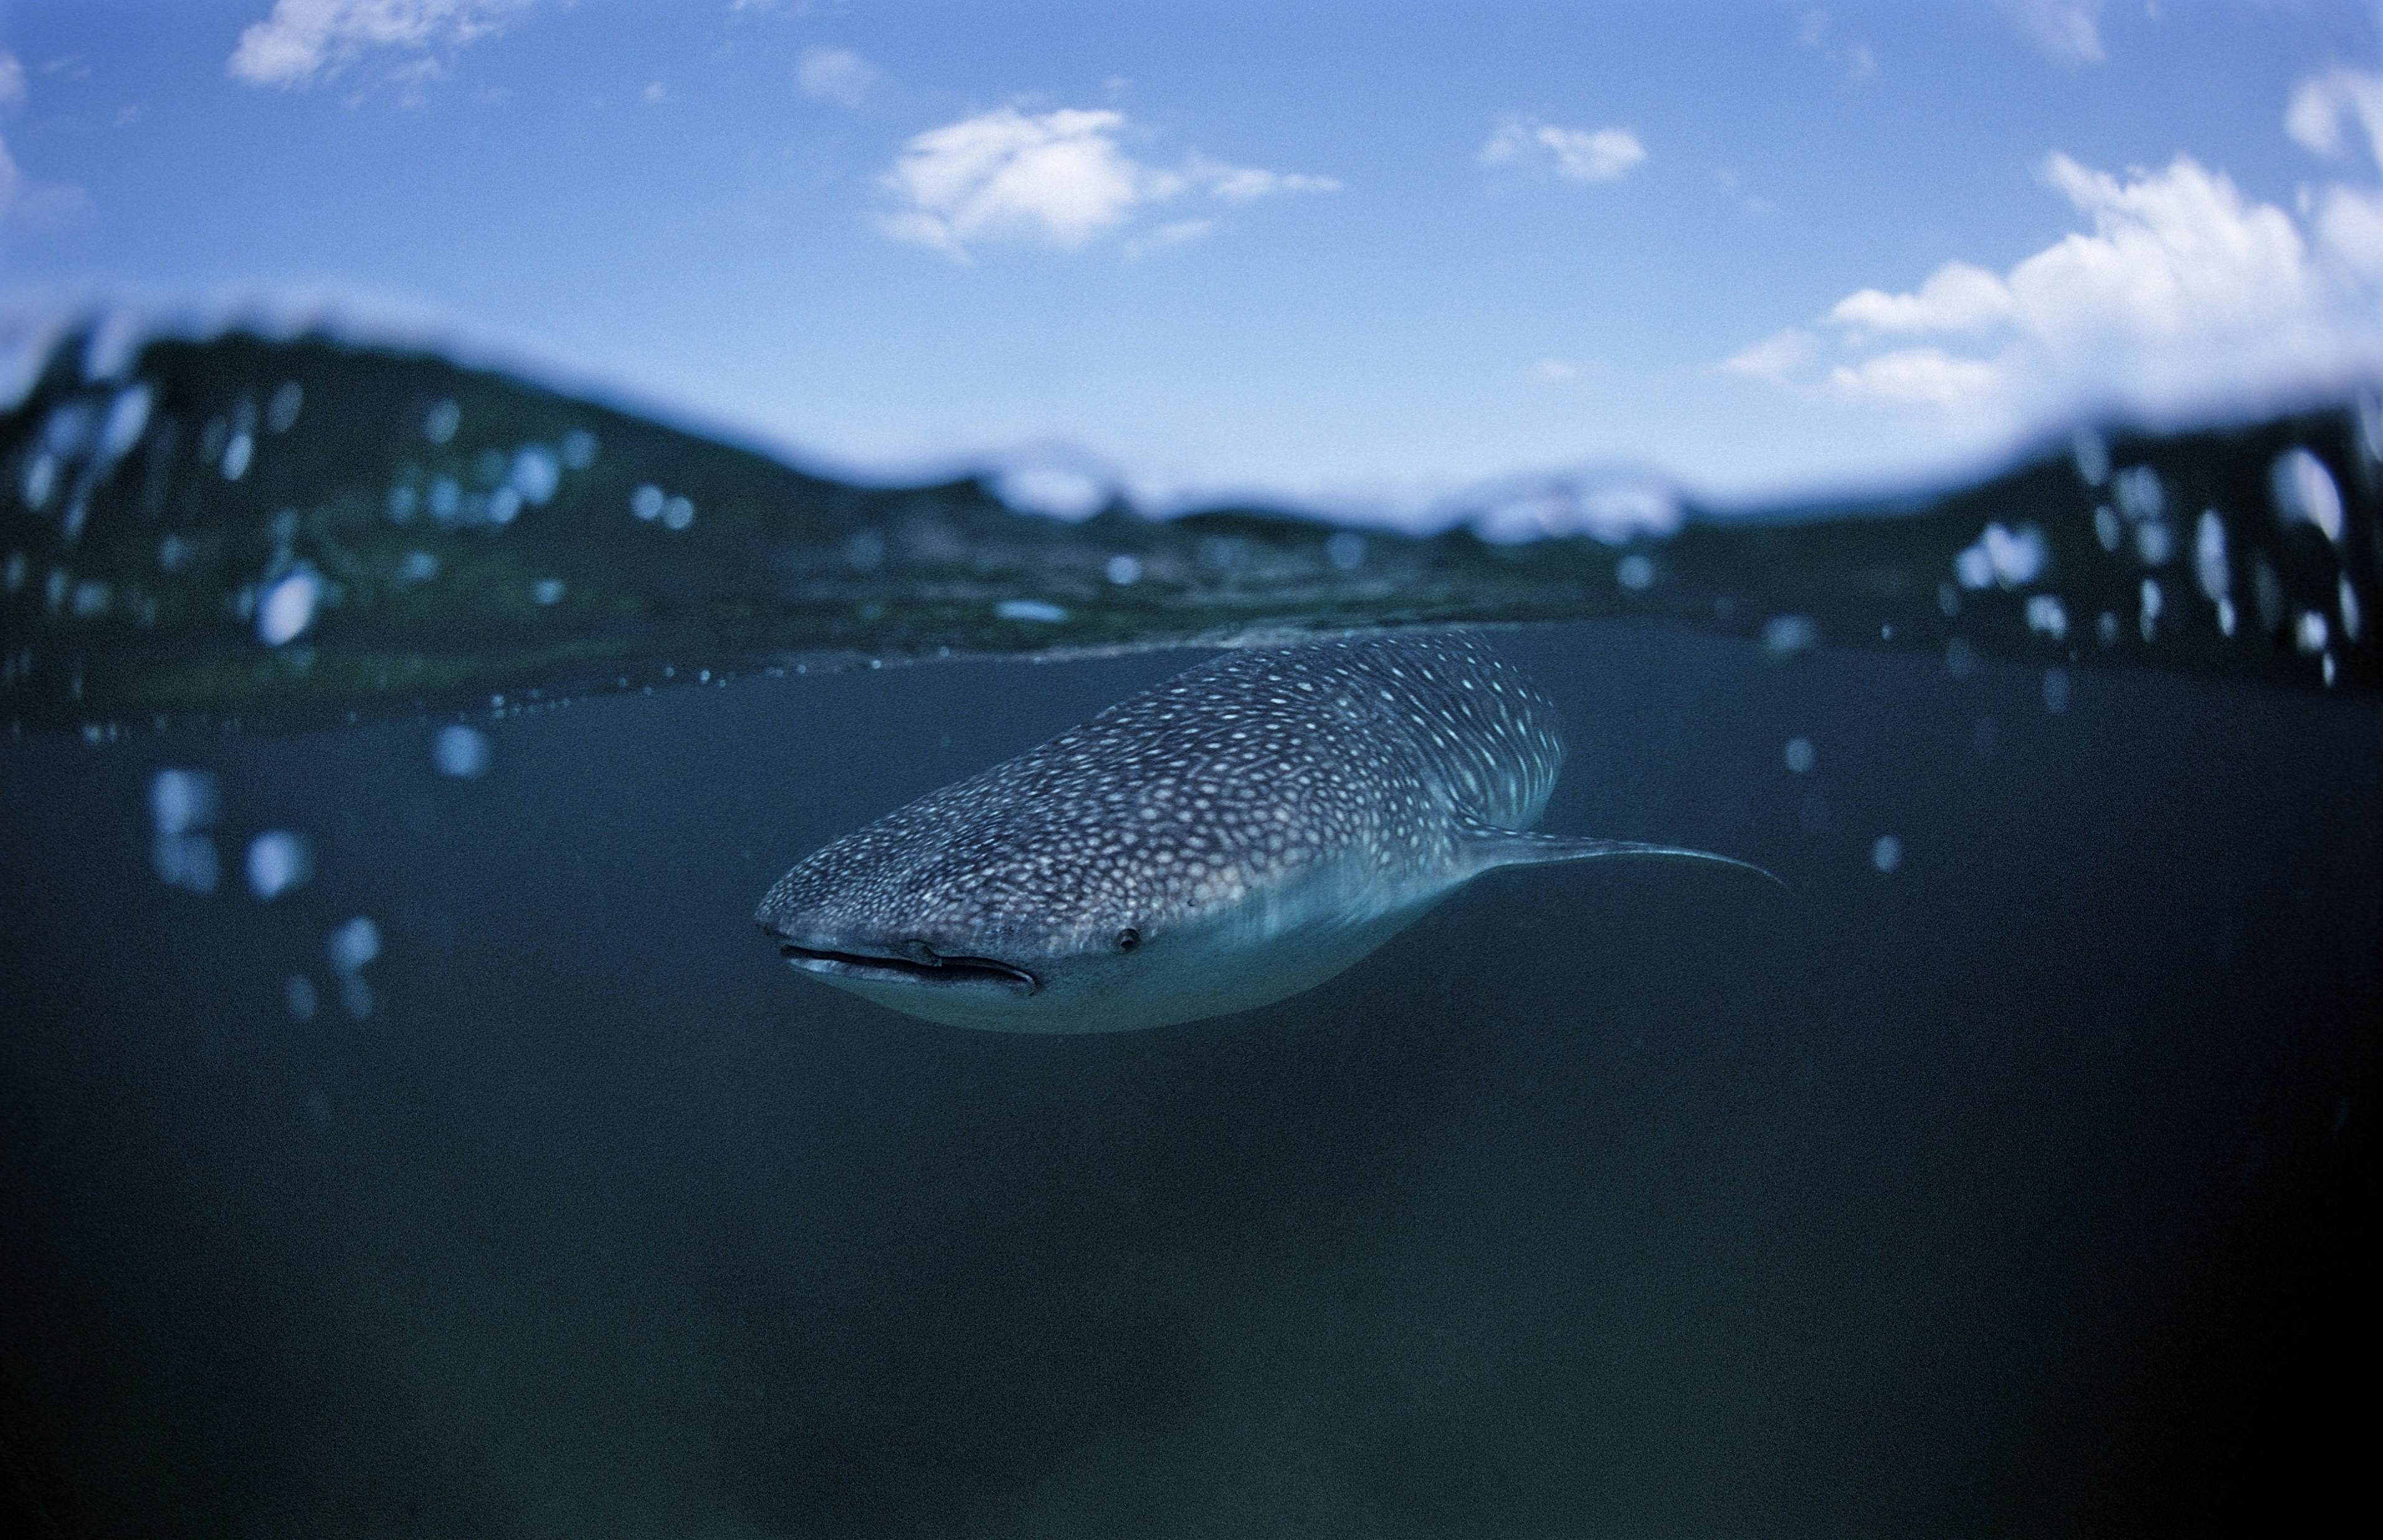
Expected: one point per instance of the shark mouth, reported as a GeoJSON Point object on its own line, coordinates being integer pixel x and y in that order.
{"type": "Point", "coordinates": [914, 963]}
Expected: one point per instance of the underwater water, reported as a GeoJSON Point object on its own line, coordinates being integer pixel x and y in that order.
{"type": "Point", "coordinates": [2013, 1171]}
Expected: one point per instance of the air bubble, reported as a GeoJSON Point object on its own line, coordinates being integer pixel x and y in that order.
{"type": "Point", "coordinates": [1886, 854]}
{"type": "Point", "coordinates": [1800, 754]}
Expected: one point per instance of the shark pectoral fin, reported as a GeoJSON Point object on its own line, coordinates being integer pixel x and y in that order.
{"type": "Point", "coordinates": [1494, 847]}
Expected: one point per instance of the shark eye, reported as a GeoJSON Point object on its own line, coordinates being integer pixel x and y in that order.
{"type": "Point", "coordinates": [1127, 938]}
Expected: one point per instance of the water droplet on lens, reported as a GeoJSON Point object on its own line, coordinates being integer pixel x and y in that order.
{"type": "Point", "coordinates": [278, 861]}
{"type": "Point", "coordinates": [281, 411]}
{"type": "Point", "coordinates": [2304, 490]}
{"type": "Point", "coordinates": [354, 945]}
{"type": "Point", "coordinates": [1029, 609]}
{"type": "Point", "coordinates": [1786, 635]}
{"type": "Point", "coordinates": [460, 751]}
{"type": "Point", "coordinates": [181, 800]}
{"type": "Point", "coordinates": [287, 608]}
{"type": "Point", "coordinates": [2055, 690]}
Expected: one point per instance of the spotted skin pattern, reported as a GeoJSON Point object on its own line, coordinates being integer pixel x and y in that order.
{"type": "Point", "coordinates": [1207, 844]}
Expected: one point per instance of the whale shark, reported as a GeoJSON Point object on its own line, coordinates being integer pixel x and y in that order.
{"type": "Point", "coordinates": [1227, 839]}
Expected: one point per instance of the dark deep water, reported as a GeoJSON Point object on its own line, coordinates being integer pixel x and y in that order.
{"type": "Point", "coordinates": [2028, 1189]}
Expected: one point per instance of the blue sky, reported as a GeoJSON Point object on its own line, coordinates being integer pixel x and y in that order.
{"type": "Point", "coordinates": [1363, 253]}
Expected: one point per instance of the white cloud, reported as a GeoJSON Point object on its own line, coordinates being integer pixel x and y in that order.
{"type": "Point", "coordinates": [2323, 107]}
{"type": "Point", "coordinates": [1243, 184]}
{"type": "Point", "coordinates": [655, 92]}
{"type": "Point", "coordinates": [1555, 371]}
{"type": "Point", "coordinates": [1174, 233]}
{"type": "Point", "coordinates": [1858, 59]}
{"type": "Point", "coordinates": [1956, 296]}
{"type": "Point", "coordinates": [1059, 178]}
{"type": "Point", "coordinates": [12, 81]}
{"type": "Point", "coordinates": [1778, 357]}
{"type": "Point", "coordinates": [1916, 377]}
{"type": "Point", "coordinates": [304, 40]}
{"type": "Point", "coordinates": [1576, 155]}
{"type": "Point", "coordinates": [42, 207]}
{"type": "Point", "coordinates": [2350, 230]}
{"type": "Point", "coordinates": [1056, 178]}
{"type": "Point", "coordinates": [2179, 289]}
{"type": "Point", "coordinates": [2066, 32]}
{"type": "Point", "coordinates": [2175, 255]}
{"type": "Point", "coordinates": [836, 75]}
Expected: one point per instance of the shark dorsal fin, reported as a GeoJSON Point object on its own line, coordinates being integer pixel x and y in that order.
{"type": "Point", "coordinates": [1491, 847]}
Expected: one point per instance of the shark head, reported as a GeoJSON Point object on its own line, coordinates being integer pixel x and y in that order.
{"type": "Point", "coordinates": [980, 908]}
